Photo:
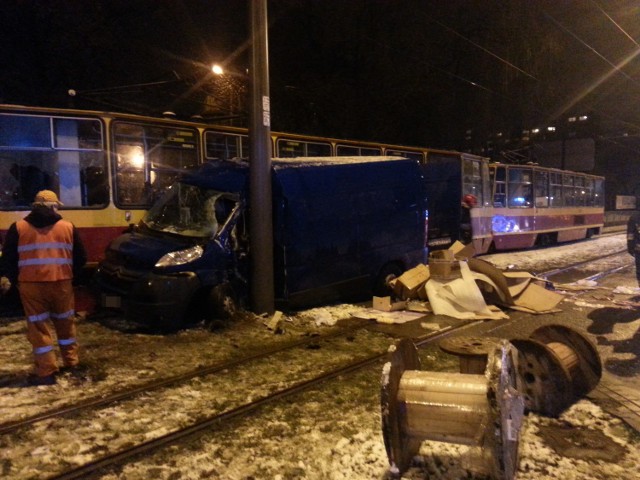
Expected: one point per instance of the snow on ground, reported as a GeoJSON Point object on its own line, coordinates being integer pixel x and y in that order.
{"type": "Point", "coordinates": [332, 433]}
{"type": "Point", "coordinates": [541, 259]}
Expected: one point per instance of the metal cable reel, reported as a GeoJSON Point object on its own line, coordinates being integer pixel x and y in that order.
{"type": "Point", "coordinates": [556, 366]}
{"type": "Point", "coordinates": [481, 411]}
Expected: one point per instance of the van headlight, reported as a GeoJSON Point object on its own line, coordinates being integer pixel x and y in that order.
{"type": "Point", "coordinates": [180, 257]}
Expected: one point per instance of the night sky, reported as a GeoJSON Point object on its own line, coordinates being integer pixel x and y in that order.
{"type": "Point", "coordinates": [406, 72]}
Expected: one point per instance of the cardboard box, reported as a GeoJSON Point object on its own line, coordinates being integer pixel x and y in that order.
{"type": "Point", "coordinates": [444, 269]}
{"type": "Point", "coordinates": [386, 305]}
{"type": "Point", "coordinates": [412, 280]}
{"type": "Point", "coordinates": [442, 255]}
{"type": "Point", "coordinates": [396, 287]}
{"type": "Point", "coordinates": [462, 251]}
{"type": "Point", "coordinates": [443, 265]}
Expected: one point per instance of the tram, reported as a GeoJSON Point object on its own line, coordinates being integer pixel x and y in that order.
{"type": "Point", "coordinates": [534, 205]}
{"type": "Point", "coordinates": [108, 168]}
{"type": "Point", "coordinates": [105, 167]}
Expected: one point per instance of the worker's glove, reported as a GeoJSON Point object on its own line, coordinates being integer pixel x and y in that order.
{"type": "Point", "coordinates": [5, 285]}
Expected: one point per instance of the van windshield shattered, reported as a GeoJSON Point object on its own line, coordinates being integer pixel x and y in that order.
{"type": "Point", "coordinates": [190, 211]}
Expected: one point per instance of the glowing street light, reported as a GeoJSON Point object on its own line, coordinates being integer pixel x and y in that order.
{"type": "Point", "coordinates": [217, 69]}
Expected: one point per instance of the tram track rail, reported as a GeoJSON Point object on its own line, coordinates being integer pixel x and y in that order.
{"type": "Point", "coordinates": [205, 425]}
{"type": "Point", "coordinates": [573, 266]}
{"type": "Point", "coordinates": [101, 400]}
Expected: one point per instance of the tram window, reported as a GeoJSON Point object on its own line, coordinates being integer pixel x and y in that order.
{"type": "Point", "coordinates": [370, 151]}
{"type": "Point", "coordinates": [291, 148]}
{"type": "Point", "coordinates": [498, 177]}
{"type": "Point", "coordinates": [44, 152]}
{"type": "Point", "coordinates": [25, 131]}
{"type": "Point", "coordinates": [519, 188]}
{"type": "Point", "coordinates": [588, 191]}
{"type": "Point", "coordinates": [500, 195]}
{"type": "Point", "coordinates": [349, 151]}
{"type": "Point", "coordinates": [568, 190]}
{"type": "Point", "coordinates": [541, 187]}
{"type": "Point", "coordinates": [149, 158]}
{"type": "Point", "coordinates": [555, 189]}
{"type": "Point", "coordinates": [401, 153]}
{"type": "Point", "coordinates": [24, 173]}
{"type": "Point", "coordinates": [95, 187]}
{"type": "Point", "coordinates": [77, 134]}
{"type": "Point", "coordinates": [598, 192]}
{"type": "Point", "coordinates": [318, 150]}
{"type": "Point", "coordinates": [486, 189]}
{"type": "Point", "coordinates": [472, 179]}
{"type": "Point", "coordinates": [223, 146]}
{"type": "Point", "coordinates": [580, 194]}
{"type": "Point", "coordinates": [346, 151]}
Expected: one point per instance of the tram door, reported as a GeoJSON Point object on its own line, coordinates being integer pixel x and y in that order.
{"type": "Point", "coordinates": [443, 176]}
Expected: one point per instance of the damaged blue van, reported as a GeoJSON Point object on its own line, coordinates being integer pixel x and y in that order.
{"type": "Point", "coordinates": [341, 226]}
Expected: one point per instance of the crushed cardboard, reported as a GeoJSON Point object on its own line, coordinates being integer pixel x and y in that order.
{"type": "Point", "coordinates": [385, 304]}
{"type": "Point", "coordinates": [538, 299]}
{"type": "Point", "coordinates": [406, 286]}
{"type": "Point", "coordinates": [417, 306]}
{"type": "Point", "coordinates": [461, 298]}
{"type": "Point", "coordinates": [458, 285]}
{"type": "Point", "coordinates": [462, 251]}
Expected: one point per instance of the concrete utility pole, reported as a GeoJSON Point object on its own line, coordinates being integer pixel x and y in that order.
{"type": "Point", "coordinates": [260, 199]}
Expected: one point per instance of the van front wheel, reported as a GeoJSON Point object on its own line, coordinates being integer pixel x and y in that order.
{"type": "Point", "coordinates": [221, 305]}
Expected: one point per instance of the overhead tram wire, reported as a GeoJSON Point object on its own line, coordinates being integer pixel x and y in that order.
{"type": "Point", "coordinates": [610, 63]}
{"type": "Point", "coordinates": [633, 40]}
{"type": "Point", "coordinates": [616, 68]}
{"type": "Point", "coordinates": [449, 73]}
{"type": "Point", "coordinates": [506, 62]}
{"type": "Point", "coordinates": [488, 52]}
{"type": "Point", "coordinates": [511, 65]}
{"type": "Point", "coordinates": [601, 80]}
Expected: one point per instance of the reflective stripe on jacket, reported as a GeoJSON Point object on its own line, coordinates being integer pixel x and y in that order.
{"type": "Point", "coordinates": [45, 254]}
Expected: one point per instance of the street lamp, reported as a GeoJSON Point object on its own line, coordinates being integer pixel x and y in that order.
{"type": "Point", "coordinates": [227, 90]}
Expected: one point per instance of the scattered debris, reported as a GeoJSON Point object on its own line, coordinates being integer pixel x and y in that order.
{"type": "Point", "coordinates": [456, 285]}
{"type": "Point", "coordinates": [387, 305]}
{"type": "Point", "coordinates": [397, 317]}
{"type": "Point", "coordinates": [274, 322]}
{"type": "Point", "coordinates": [626, 290]}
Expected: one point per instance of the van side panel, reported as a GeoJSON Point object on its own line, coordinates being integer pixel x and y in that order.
{"type": "Point", "coordinates": [444, 190]}
{"type": "Point", "coordinates": [337, 225]}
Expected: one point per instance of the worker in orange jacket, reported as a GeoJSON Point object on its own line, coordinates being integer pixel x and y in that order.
{"type": "Point", "coordinates": [41, 252]}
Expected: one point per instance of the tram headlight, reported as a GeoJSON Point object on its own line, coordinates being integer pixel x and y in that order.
{"type": "Point", "coordinates": [180, 257]}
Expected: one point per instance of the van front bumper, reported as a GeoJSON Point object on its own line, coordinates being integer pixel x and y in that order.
{"type": "Point", "coordinates": [159, 301]}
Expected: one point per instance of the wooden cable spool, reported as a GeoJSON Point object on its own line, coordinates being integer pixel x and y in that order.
{"type": "Point", "coordinates": [556, 366]}
{"type": "Point", "coordinates": [483, 411]}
